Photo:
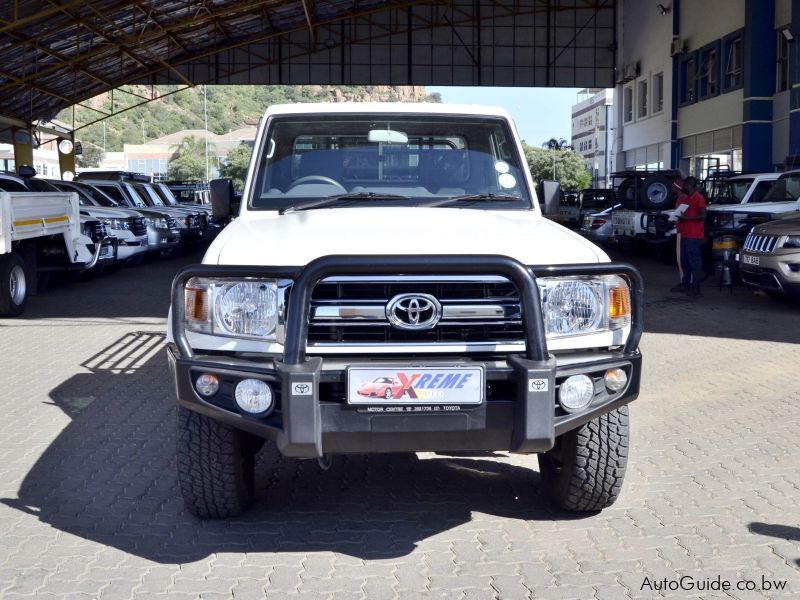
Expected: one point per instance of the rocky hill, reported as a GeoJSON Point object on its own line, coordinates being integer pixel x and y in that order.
{"type": "Point", "coordinates": [229, 107]}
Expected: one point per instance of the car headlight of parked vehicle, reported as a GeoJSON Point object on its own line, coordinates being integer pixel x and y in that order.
{"type": "Point", "coordinates": [156, 222]}
{"type": "Point", "coordinates": [116, 224]}
{"type": "Point", "coordinates": [243, 309]}
{"type": "Point", "coordinates": [584, 305]}
{"type": "Point", "coordinates": [791, 241]}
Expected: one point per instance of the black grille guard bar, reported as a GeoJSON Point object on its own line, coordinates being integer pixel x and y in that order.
{"type": "Point", "coordinates": [306, 278]}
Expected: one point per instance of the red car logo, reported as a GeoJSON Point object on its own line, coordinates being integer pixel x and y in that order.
{"type": "Point", "coordinates": [382, 387]}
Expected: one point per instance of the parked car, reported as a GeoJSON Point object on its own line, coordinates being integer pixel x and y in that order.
{"type": "Point", "coordinates": [381, 387]}
{"type": "Point", "coordinates": [127, 227]}
{"type": "Point", "coordinates": [163, 232]}
{"type": "Point", "coordinates": [399, 241]}
{"type": "Point", "coordinates": [598, 226]}
{"type": "Point", "coordinates": [770, 257]}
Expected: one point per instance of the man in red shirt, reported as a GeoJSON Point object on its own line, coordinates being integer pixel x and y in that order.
{"type": "Point", "coordinates": [691, 227]}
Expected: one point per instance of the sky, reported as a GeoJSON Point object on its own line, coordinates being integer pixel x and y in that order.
{"type": "Point", "coordinates": [540, 113]}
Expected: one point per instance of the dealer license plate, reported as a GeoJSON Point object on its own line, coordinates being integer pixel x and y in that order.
{"type": "Point", "coordinates": [749, 259]}
{"type": "Point", "coordinates": [409, 386]}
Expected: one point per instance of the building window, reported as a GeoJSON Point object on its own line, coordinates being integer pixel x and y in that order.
{"type": "Point", "coordinates": [641, 97]}
{"type": "Point", "coordinates": [627, 104]}
{"type": "Point", "coordinates": [708, 73]}
{"type": "Point", "coordinates": [688, 81]}
{"type": "Point", "coordinates": [658, 93]}
{"type": "Point", "coordinates": [733, 61]}
{"type": "Point", "coordinates": [782, 79]}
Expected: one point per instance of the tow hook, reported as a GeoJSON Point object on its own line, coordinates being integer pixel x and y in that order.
{"type": "Point", "coordinates": [325, 461]}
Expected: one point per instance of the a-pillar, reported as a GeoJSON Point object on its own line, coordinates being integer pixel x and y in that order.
{"type": "Point", "coordinates": [759, 85]}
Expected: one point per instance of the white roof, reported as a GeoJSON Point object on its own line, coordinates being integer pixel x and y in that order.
{"type": "Point", "coordinates": [434, 108]}
{"type": "Point", "coordinates": [755, 176]}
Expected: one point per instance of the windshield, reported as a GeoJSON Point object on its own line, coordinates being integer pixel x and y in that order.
{"type": "Point", "coordinates": [732, 192]}
{"type": "Point", "coordinates": [135, 197]}
{"type": "Point", "coordinates": [9, 185]}
{"type": "Point", "coordinates": [405, 160]}
{"type": "Point", "coordinates": [785, 189]}
{"type": "Point", "coordinates": [165, 194]}
{"type": "Point", "coordinates": [596, 199]}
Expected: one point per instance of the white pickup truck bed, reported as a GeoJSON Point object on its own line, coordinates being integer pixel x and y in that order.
{"type": "Point", "coordinates": [25, 217]}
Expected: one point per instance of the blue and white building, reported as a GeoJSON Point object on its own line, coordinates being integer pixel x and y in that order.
{"type": "Point", "coordinates": [708, 83]}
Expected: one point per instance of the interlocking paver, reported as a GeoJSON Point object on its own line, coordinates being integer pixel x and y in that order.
{"type": "Point", "coordinates": [89, 504]}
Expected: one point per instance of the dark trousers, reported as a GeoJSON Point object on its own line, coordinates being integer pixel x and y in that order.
{"type": "Point", "coordinates": [692, 261]}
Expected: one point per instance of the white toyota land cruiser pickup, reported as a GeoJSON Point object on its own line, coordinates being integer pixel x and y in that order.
{"type": "Point", "coordinates": [389, 285]}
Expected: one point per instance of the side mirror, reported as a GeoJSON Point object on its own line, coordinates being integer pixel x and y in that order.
{"type": "Point", "coordinates": [221, 192]}
{"type": "Point", "coordinates": [551, 197]}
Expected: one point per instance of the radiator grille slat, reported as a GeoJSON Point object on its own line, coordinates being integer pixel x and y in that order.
{"type": "Point", "coordinates": [760, 243]}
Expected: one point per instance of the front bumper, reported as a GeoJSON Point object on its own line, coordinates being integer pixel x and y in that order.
{"type": "Point", "coordinates": [159, 240]}
{"type": "Point", "coordinates": [771, 276]}
{"type": "Point", "coordinates": [311, 416]}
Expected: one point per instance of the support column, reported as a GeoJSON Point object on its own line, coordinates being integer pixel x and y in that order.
{"type": "Point", "coordinates": [794, 81]}
{"type": "Point", "coordinates": [759, 84]}
{"type": "Point", "coordinates": [674, 142]}
{"type": "Point", "coordinates": [23, 147]}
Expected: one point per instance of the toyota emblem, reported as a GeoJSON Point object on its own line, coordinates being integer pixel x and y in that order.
{"type": "Point", "coordinates": [414, 311]}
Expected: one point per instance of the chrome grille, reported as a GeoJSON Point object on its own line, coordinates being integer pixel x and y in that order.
{"type": "Point", "coordinates": [352, 310]}
{"type": "Point", "coordinates": [760, 243]}
{"type": "Point", "coordinates": [171, 222]}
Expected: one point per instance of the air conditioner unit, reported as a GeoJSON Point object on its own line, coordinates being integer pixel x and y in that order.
{"type": "Point", "coordinates": [630, 71]}
{"type": "Point", "coordinates": [678, 47]}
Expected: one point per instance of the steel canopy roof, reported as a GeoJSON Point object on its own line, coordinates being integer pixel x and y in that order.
{"type": "Point", "coordinates": [55, 53]}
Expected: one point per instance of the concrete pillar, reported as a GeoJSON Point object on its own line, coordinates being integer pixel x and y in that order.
{"type": "Point", "coordinates": [794, 81]}
{"type": "Point", "coordinates": [759, 84]}
{"type": "Point", "coordinates": [23, 147]}
{"type": "Point", "coordinates": [674, 143]}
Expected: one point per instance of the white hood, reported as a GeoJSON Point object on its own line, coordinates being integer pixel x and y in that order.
{"type": "Point", "coordinates": [757, 207]}
{"type": "Point", "coordinates": [295, 239]}
{"type": "Point", "coordinates": [100, 212]}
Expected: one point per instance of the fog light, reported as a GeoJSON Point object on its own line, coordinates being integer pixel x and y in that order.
{"type": "Point", "coordinates": [253, 396]}
{"type": "Point", "coordinates": [615, 380]}
{"type": "Point", "coordinates": [207, 384]}
{"type": "Point", "coordinates": [576, 393]}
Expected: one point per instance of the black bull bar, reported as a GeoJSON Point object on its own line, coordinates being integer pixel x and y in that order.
{"type": "Point", "coordinates": [301, 430]}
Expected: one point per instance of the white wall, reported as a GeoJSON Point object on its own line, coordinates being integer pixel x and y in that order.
{"type": "Point", "coordinates": [721, 111]}
{"type": "Point", "coordinates": [703, 21]}
{"type": "Point", "coordinates": [647, 36]}
{"type": "Point", "coordinates": [783, 13]}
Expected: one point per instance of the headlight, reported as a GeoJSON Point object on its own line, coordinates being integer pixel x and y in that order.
{"type": "Point", "coordinates": [582, 305]}
{"type": "Point", "coordinates": [116, 223]}
{"type": "Point", "coordinates": [245, 309]}
{"type": "Point", "coordinates": [791, 241]}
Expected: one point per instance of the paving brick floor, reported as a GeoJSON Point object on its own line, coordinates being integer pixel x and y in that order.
{"type": "Point", "coordinates": [89, 506]}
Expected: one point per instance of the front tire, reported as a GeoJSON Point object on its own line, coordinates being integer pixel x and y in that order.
{"type": "Point", "coordinates": [13, 286]}
{"type": "Point", "coordinates": [216, 466]}
{"type": "Point", "coordinates": [585, 470]}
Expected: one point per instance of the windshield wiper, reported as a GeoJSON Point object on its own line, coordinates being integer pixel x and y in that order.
{"type": "Point", "coordinates": [471, 198]}
{"type": "Point", "coordinates": [332, 199]}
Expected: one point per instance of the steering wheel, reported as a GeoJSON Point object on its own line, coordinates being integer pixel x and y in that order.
{"type": "Point", "coordinates": [319, 179]}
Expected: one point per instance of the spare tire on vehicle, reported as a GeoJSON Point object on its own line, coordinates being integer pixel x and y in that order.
{"type": "Point", "coordinates": [657, 192]}
{"type": "Point", "coordinates": [627, 192]}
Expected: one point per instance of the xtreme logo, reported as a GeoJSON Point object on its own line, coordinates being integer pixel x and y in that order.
{"type": "Point", "coordinates": [417, 385]}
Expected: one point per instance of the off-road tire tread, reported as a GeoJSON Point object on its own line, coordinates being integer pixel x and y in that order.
{"type": "Point", "coordinates": [215, 470]}
{"type": "Point", "coordinates": [596, 457]}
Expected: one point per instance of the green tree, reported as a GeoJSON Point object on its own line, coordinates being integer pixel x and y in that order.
{"type": "Point", "coordinates": [236, 165]}
{"type": "Point", "coordinates": [556, 144]}
{"type": "Point", "coordinates": [91, 156]}
{"type": "Point", "coordinates": [188, 163]}
{"type": "Point", "coordinates": [571, 171]}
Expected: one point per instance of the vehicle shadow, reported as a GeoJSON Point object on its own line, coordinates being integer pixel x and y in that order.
{"type": "Point", "coordinates": [121, 293]}
{"type": "Point", "coordinates": [110, 477]}
{"type": "Point", "coordinates": [786, 532]}
{"type": "Point", "coordinates": [736, 313]}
